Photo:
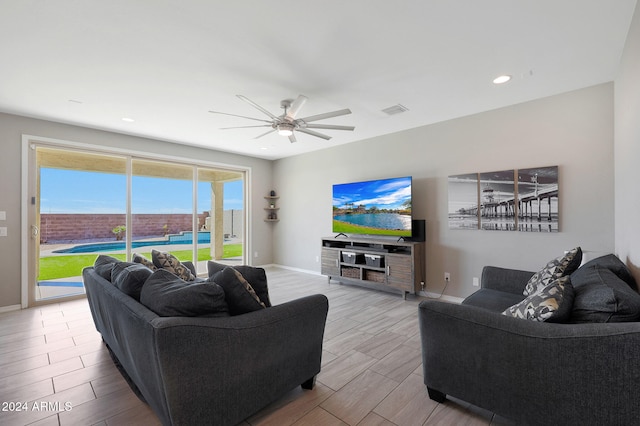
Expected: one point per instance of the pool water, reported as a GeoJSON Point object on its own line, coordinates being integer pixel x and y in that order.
{"type": "Point", "coordinates": [204, 237]}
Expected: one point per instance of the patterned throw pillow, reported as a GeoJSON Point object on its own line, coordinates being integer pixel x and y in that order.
{"type": "Point", "coordinates": [551, 303]}
{"type": "Point", "coordinates": [559, 267]}
{"type": "Point", "coordinates": [138, 258]}
{"type": "Point", "coordinates": [169, 262]}
{"type": "Point", "coordinates": [239, 294]}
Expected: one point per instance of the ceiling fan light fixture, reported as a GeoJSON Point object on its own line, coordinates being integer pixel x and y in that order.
{"type": "Point", "coordinates": [285, 129]}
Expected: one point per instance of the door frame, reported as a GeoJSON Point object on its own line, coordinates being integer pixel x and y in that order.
{"type": "Point", "coordinates": [29, 189]}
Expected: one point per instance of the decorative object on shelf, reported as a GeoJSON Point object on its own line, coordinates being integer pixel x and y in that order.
{"type": "Point", "coordinates": [272, 209]}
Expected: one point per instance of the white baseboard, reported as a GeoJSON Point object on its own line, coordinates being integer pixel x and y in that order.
{"type": "Point", "coordinates": [443, 297]}
{"type": "Point", "coordinates": [291, 268]}
{"type": "Point", "coordinates": [10, 308]}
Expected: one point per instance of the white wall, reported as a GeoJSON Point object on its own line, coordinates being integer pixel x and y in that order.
{"type": "Point", "coordinates": [572, 130]}
{"type": "Point", "coordinates": [627, 150]}
{"type": "Point", "coordinates": [12, 128]}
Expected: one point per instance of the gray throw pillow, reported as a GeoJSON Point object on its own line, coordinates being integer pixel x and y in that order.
{"type": "Point", "coordinates": [130, 277]}
{"type": "Point", "coordinates": [169, 296]}
{"type": "Point", "coordinates": [103, 265]}
{"type": "Point", "coordinates": [551, 303]}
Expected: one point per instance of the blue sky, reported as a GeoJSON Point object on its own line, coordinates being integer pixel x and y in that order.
{"type": "Point", "coordinates": [383, 194]}
{"type": "Point", "coordinates": [69, 191]}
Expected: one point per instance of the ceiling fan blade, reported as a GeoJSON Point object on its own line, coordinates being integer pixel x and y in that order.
{"type": "Point", "coordinates": [241, 116]}
{"type": "Point", "coordinates": [256, 106]}
{"type": "Point", "coordinates": [295, 107]}
{"type": "Point", "coordinates": [329, 126]}
{"type": "Point", "coordinates": [312, 133]}
{"type": "Point", "coordinates": [326, 115]}
{"type": "Point", "coordinates": [292, 138]}
{"type": "Point", "coordinates": [265, 134]}
{"type": "Point", "coordinates": [245, 127]}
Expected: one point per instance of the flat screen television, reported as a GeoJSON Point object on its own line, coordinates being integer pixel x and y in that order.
{"type": "Point", "coordinates": [375, 207]}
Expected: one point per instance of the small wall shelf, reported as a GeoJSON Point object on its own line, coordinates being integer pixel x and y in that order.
{"type": "Point", "coordinates": [271, 209]}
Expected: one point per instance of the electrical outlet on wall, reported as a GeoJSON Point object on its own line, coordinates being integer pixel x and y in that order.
{"type": "Point", "coordinates": [447, 276]}
{"type": "Point", "coordinates": [476, 282]}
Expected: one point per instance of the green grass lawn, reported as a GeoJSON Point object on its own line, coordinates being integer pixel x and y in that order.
{"type": "Point", "coordinates": [54, 267]}
{"type": "Point", "coordinates": [350, 228]}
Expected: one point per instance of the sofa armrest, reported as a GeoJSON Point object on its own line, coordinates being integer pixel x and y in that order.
{"type": "Point", "coordinates": [503, 279]}
{"type": "Point", "coordinates": [587, 373]}
{"type": "Point", "coordinates": [238, 364]}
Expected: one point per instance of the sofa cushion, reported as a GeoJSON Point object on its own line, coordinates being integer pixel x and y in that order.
{"type": "Point", "coordinates": [255, 276]}
{"type": "Point", "coordinates": [171, 263]}
{"type": "Point", "coordinates": [130, 277]}
{"type": "Point", "coordinates": [138, 258]}
{"type": "Point", "coordinates": [493, 300]}
{"type": "Point", "coordinates": [602, 296]}
{"type": "Point", "coordinates": [610, 262]}
{"type": "Point", "coordinates": [239, 294]}
{"type": "Point", "coordinates": [551, 303]}
{"type": "Point", "coordinates": [168, 296]}
{"type": "Point", "coordinates": [558, 267]}
{"type": "Point", "coordinates": [103, 265]}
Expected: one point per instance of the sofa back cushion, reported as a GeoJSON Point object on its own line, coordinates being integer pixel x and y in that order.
{"type": "Point", "coordinates": [601, 295]}
{"type": "Point", "coordinates": [169, 296]}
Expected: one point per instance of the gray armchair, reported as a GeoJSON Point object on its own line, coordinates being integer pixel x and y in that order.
{"type": "Point", "coordinates": [527, 371]}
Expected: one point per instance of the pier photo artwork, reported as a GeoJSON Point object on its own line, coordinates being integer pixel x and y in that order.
{"type": "Point", "coordinates": [524, 200]}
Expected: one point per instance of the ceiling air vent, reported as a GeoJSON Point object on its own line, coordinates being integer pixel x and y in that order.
{"type": "Point", "coordinates": [395, 109]}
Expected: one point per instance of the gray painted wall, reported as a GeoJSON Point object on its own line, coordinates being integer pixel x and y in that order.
{"type": "Point", "coordinates": [12, 128]}
{"type": "Point", "coordinates": [627, 150]}
{"type": "Point", "coordinates": [572, 130]}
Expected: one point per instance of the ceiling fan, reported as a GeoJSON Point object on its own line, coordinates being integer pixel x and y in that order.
{"type": "Point", "coordinates": [287, 123]}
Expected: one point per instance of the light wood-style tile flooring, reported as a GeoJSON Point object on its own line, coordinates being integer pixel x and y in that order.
{"type": "Point", "coordinates": [53, 362]}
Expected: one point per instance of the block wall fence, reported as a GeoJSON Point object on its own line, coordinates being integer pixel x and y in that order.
{"type": "Point", "coordinates": [79, 227]}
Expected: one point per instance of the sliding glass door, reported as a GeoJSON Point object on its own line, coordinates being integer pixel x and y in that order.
{"type": "Point", "coordinates": [88, 203]}
{"type": "Point", "coordinates": [82, 199]}
{"type": "Point", "coordinates": [162, 208]}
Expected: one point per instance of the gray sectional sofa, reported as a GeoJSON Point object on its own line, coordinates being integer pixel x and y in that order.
{"type": "Point", "coordinates": [207, 368]}
{"type": "Point", "coordinates": [582, 371]}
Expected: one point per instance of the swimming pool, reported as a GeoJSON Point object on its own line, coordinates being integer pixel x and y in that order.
{"type": "Point", "coordinates": [204, 237]}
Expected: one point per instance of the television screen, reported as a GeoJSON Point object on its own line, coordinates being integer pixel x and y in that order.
{"type": "Point", "coordinates": [376, 207]}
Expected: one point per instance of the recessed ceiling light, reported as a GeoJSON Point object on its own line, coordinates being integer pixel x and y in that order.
{"type": "Point", "coordinates": [128, 120]}
{"type": "Point", "coordinates": [501, 79]}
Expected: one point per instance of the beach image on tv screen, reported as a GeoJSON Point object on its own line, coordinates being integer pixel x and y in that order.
{"type": "Point", "coordinates": [377, 207]}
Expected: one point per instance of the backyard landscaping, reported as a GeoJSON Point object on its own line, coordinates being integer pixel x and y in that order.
{"type": "Point", "coordinates": [54, 267]}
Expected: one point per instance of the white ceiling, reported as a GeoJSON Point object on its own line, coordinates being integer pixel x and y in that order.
{"type": "Point", "coordinates": [166, 63]}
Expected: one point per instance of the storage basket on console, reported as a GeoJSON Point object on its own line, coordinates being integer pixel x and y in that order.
{"type": "Point", "coordinates": [351, 257]}
{"type": "Point", "coordinates": [375, 260]}
{"type": "Point", "coordinates": [375, 276]}
{"type": "Point", "coordinates": [349, 272]}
